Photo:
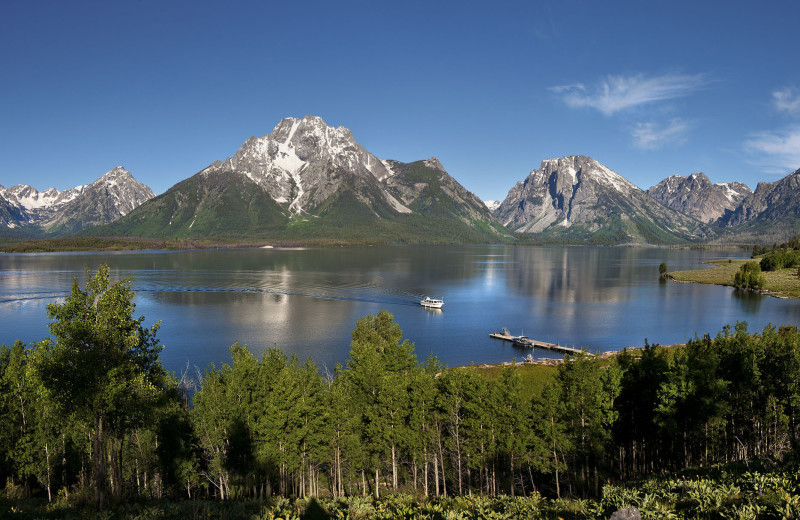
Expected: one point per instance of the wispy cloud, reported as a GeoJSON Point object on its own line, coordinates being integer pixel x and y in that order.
{"type": "Point", "coordinates": [652, 136]}
{"type": "Point", "coordinates": [776, 152]}
{"type": "Point", "coordinates": [617, 93]}
{"type": "Point", "coordinates": [787, 100]}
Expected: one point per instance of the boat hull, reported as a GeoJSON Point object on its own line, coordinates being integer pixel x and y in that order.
{"type": "Point", "coordinates": [430, 303]}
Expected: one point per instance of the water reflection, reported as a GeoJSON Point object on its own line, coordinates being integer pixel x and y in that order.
{"type": "Point", "coordinates": [307, 301]}
{"type": "Point", "coordinates": [749, 300]}
{"type": "Point", "coordinates": [574, 274]}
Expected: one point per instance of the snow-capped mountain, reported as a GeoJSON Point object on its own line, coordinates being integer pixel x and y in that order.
{"type": "Point", "coordinates": [578, 197]}
{"type": "Point", "coordinates": [10, 215]}
{"type": "Point", "coordinates": [307, 179]}
{"type": "Point", "coordinates": [51, 211]}
{"type": "Point", "coordinates": [302, 162]}
{"type": "Point", "coordinates": [694, 195]}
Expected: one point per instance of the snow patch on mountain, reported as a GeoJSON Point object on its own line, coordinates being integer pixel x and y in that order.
{"type": "Point", "coordinates": [389, 171]}
{"type": "Point", "coordinates": [492, 204]}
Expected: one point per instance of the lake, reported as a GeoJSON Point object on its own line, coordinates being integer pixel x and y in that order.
{"type": "Point", "coordinates": [307, 301]}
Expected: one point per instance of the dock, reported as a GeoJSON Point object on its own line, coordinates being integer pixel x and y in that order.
{"type": "Point", "coordinates": [526, 342]}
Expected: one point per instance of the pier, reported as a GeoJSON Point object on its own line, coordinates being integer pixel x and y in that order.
{"type": "Point", "coordinates": [525, 342]}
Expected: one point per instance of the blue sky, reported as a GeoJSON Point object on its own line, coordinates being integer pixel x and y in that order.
{"type": "Point", "coordinates": [164, 88]}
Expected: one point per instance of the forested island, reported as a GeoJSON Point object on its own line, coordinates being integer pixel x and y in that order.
{"type": "Point", "coordinates": [92, 426]}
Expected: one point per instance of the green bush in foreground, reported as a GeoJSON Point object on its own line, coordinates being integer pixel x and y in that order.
{"type": "Point", "coordinates": [723, 495]}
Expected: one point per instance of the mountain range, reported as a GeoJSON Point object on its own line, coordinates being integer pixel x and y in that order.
{"type": "Point", "coordinates": [307, 181]}
{"type": "Point", "coordinates": [577, 197]}
{"type": "Point", "coordinates": [698, 198]}
{"type": "Point", "coordinates": [25, 211]}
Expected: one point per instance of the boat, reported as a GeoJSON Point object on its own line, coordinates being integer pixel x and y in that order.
{"type": "Point", "coordinates": [431, 303]}
{"type": "Point", "coordinates": [523, 341]}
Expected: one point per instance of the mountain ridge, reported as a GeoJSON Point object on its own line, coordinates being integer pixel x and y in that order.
{"type": "Point", "coordinates": [577, 197]}
{"type": "Point", "coordinates": [694, 195]}
{"type": "Point", "coordinates": [57, 213]}
{"type": "Point", "coordinates": [316, 181]}
{"type": "Point", "coordinates": [306, 180]}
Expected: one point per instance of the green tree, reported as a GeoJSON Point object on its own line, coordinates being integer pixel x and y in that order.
{"type": "Point", "coordinates": [749, 276]}
{"type": "Point", "coordinates": [662, 269]}
{"type": "Point", "coordinates": [470, 418]}
{"type": "Point", "coordinates": [378, 373]}
{"type": "Point", "coordinates": [343, 431]}
{"type": "Point", "coordinates": [103, 370]}
{"type": "Point", "coordinates": [211, 417]}
{"type": "Point", "coordinates": [511, 424]}
{"type": "Point", "coordinates": [636, 432]}
{"type": "Point", "coordinates": [589, 393]}
{"type": "Point", "coordinates": [420, 431]}
{"type": "Point", "coordinates": [549, 443]}
{"type": "Point", "coordinates": [32, 430]}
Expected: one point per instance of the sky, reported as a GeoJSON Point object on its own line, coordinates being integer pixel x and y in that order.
{"type": "Point", "coordinates": [165, 88]}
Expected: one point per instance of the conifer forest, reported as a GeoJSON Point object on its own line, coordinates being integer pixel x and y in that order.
{"type": "Point", "coordinates": [92, 424]}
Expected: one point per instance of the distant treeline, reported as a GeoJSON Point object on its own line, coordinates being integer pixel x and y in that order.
{"type": "Point", "coordinates": [92, 415]}
{"type": "Point", "coordinates": [792, 244]}
{"type": "Point", "coordinates": [88, 243]}
{"type": "Point", "coordinates": [780, 256]}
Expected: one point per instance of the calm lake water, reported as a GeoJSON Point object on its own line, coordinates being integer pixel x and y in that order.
{"type": "Point", "coordinates": [307, 301]}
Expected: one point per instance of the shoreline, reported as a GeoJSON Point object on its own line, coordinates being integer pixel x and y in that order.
{"type": "Point", "coordinates": [607, 355]}
{"type": "Point", "coordinates": [782, 283]}
{"type": "Point", "coordinates": [124, 243]}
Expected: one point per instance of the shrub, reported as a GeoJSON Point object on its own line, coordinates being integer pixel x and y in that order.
{"type": "Point", "coordinates": [779, 260]}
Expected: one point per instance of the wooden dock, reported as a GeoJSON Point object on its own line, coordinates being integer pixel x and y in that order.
{"type": "Point", "coordinates": [526, 342]}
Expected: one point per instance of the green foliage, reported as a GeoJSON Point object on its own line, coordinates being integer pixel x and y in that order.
{"type": "Point", "coordinates": [749, 276]}
{"type": "Point", "coordinates": [793, 244]}
{"type": "Point", "coordinates": [81, 244]}
{"type": "Point", "coordinates": [662, 268]}
{"type": "Point", "coordinates": [102, 374]}
{"type": "Point", "coordinates": [779, 260]}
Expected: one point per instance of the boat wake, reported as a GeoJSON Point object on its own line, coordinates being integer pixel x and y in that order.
{"type": "Point", "coordinates": [385, 298]}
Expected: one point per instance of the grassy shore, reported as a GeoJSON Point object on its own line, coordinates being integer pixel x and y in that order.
{"type": "Point", "coordinates": [534, 376]}
{"type": "Point", "coordinates": [783, 282]}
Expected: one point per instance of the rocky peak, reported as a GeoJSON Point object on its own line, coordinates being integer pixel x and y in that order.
{"type": "Point", "coordinates": [579, 194]}
{"type": "Point", "coordinates": [559, 193]}
{"type": "Point", "coordinates": [28, 198]}
{"type": "Point", "coordinates": [434, 164]}
{"type": "Point", "coordinates": [697, 197]}
{"type": "Point", "coordinates": [575, 169]}
{"type": "Point", "coordinates": [116, 174]}
{"type": "Point", "coordinates": [302, 162]}
{"type": "Point", "coordinates": [772, 202]}
{"type": "Point", "coordinates": [112, 195]}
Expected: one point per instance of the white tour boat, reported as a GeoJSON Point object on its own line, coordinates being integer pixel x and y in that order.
{"type": "Point", "coordinates": [431, 303]}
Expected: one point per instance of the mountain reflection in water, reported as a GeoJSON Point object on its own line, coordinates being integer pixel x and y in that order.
{"type": "Point", "coordinates": [307, 301]}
